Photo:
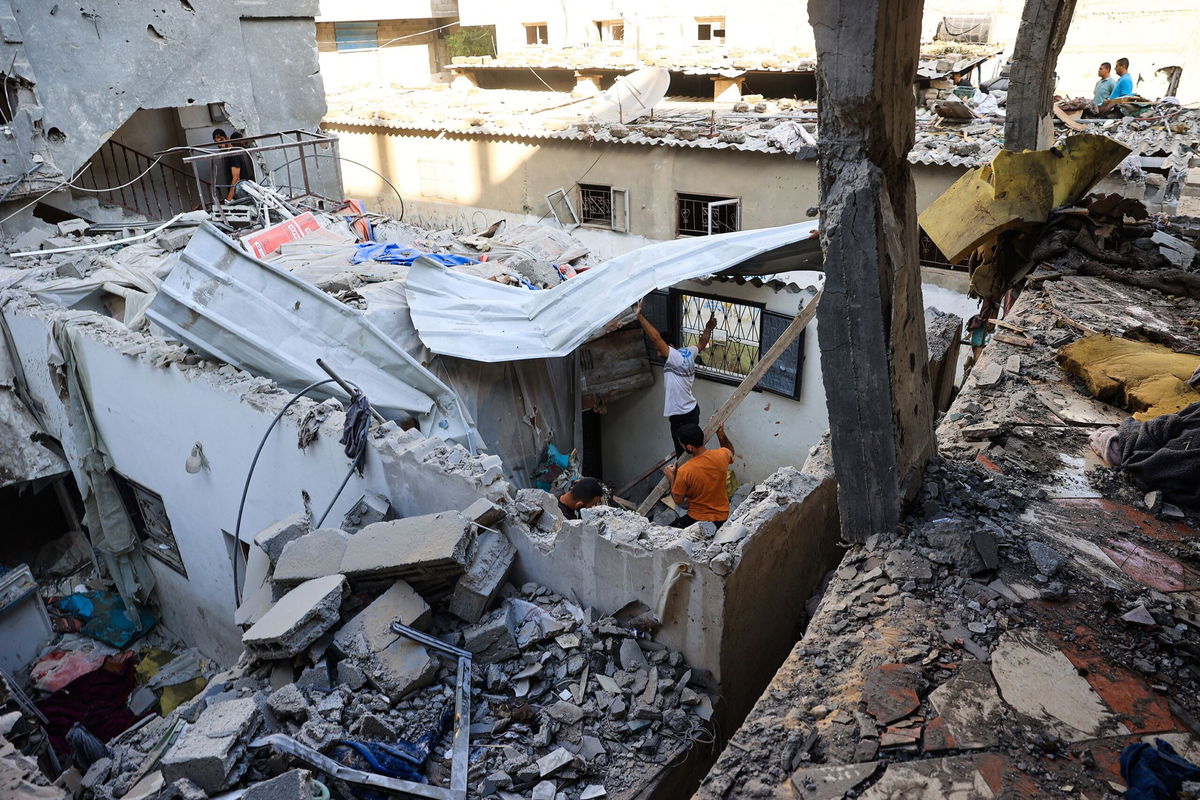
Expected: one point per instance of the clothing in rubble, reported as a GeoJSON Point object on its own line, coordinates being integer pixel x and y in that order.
{"type": "Point", "coordinates": [702, 481]}
{"type": "Point", "coordinates": [1155, 772]}
{"type": "Point", "coordinates": [1164, 453]}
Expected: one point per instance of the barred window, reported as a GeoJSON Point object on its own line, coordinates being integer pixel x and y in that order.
{"type": "Point", "coordinates": [702, 215]}
{"type": "Point", "coordinates": [595, 204]}
{"type": "Point", "coordinates": [744, 331]}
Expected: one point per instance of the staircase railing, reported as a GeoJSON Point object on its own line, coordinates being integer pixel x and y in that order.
{"type": "Point", "coordinates": [162, 192]}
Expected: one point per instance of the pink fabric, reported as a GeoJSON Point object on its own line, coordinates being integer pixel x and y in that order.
{"type": "Point", "coordinates": [55, 670]}
{"type": "Point", "coordinates": [1104, 442]}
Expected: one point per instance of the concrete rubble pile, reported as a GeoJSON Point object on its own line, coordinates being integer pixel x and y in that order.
{"type": "Point", "coordinates": [565, 702]}
{"type": "Point", "coordinates": [1037, 612]}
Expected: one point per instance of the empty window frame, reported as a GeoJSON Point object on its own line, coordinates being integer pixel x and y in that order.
{"type": "Point", "coordinates": [704, 215]}
{"type": "Point", "coordinates": [604, 206]}
{"type": "Point", "coordinates": [356, 35]}
{"type": "Point", "coordinates": [710, 29]}
{"type": "Point", "coordinates": [744, 331]}
{"type": "Point", "coordinates": [537, 33]}
{"type": "Point", "coordinates": [561, 208]}
{"type": "Point", "coordinates": [611, 30]}
{"type": "Point", "coordinates": [149, 517]}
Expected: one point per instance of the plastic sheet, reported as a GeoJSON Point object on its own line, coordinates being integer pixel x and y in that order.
{"type": "Point", "coordinates": [391, 253]}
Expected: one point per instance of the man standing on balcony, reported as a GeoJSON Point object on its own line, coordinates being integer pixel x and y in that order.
{"type": "Point", "coordinates": [679, 372]}
{"type": "Point", "coordinates": [232, 170]}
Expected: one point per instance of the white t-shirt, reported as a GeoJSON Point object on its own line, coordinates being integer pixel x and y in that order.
{"type": "Point", "coordinates": [679, 371]}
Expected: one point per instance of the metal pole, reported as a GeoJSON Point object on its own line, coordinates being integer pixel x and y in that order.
{"type": "Point", "coordinates": [347, 388]}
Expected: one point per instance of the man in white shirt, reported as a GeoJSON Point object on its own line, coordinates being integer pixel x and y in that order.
{"type": "Point", "coordinates": [679, 371]}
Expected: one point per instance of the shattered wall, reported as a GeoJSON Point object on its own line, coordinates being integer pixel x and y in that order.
{"type": "Point", "coordinates": [92, 67]}
{"type": "Point", "coordinates": [150, 431]}
{"type": "Point", "coordinates": [709, 589]}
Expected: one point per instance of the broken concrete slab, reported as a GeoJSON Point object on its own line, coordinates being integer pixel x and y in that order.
{"type": "Point", "coordinates": [427, 550]}
{"type": "Point", "coordinates": [830, 781]}
{"type": "Point", "coordinates": [951, 777]}
{"type": "Point", "coordinates": [171, 240]}
{"type": "Point", "coordinates": [1178, 252]}
{"type": "Point", "coordinates": [988, 374]}
{"type": "Point", "coordinates": [554, 761]}
{"type": "Point", "coordinates": [890, 691]}
{"type": "Point", "coordinates": [298, 619]}
{"type": "Point", "coordinates": [313, 555]}
{"type": "Point", "coordinates": [73, 226]}
{"type": "Point", "coordinates": [491, 639]}
{"type": "Point", "coordinates": [294, 784]}
{"type": "Point", "coordinates": [903, 565]}
{"type": "Point", "coordinates": [392, 663]}
{"type": "Point", "coordinates": [273, 538]}
{"type": "Point", "coordinates": [969, 706]}
{"type": "Point", "coordinates": [477, 588]}
{"type": "Point", "coordinates": [208, 752]}
{"type": "Point", "coordinates": [1038, 680]}
{"type": "Point", "coordinates": [485, 512]}
{"type": "Point", "coordinates": [288, 702]}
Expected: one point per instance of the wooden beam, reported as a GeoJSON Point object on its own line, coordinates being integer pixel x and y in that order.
{"type": "Point", "coordinates": [1040, 38]}
{"type": "Point", "coordinates": [872, 322]}
{"type": "Point", "coordinates": [798, 323]}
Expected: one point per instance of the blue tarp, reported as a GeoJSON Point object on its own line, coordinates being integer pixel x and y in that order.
{"type": "Point", "coordinates": [392, 253]}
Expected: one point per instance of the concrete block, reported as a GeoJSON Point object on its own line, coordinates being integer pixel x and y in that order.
{"type": "Point", "coordinates": [273, 538]}
{"type": "Point", "coordinates": [491, 639]}
{"type": "Point", "coordinates": [294, 784]}
{"type": "Point", "coordinates": [393, 664]}
{"type": "Point", "coordinates": [55, 242]}
{"type": "Point", "coordinates": [313, 555]}
{"type": "Point", "coordinates": [208, 752]}
{"type": "Point", "coordinates": [31, 239]}
{"type": "Point", "coordinates": [369, 509]}
{"type": "Point", "coordinates": [485, 512]}
{"type": "Point", "coordinates": [430, 545]}
{"type": "Point", "coordinates": [73, 226]}
{"type": "Point", "coordinates": [476, 590]}
{"type": "Point", "coordinates": [176, 239]}
{"type": "Point", "coordinates": [288, 702]}
{"type": "Point", "coordinates": [298, 619]}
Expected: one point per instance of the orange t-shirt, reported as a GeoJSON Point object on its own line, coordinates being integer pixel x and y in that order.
{"type": "Point", "coordinates": [702, 481]}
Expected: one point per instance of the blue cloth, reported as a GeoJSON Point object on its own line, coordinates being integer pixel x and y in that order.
{"type": "Point", "coordinates": [1154, 774]}
{"type": "Point", "coordinates": [392, 253]}
{"type": "Point", "coordinates": [1124, 86]}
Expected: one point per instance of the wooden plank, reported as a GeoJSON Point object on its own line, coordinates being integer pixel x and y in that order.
{"type": "Point", "coordinates": [799, 323]}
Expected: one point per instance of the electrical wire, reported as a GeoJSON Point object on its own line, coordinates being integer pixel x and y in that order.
{"type": "Point", "coordinates": [357, 164]}
{"type": "Point", "coordinates": [237, 530]}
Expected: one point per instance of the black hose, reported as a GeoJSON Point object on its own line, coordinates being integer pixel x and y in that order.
{"type": "Point", "coordinates": [237, 530]}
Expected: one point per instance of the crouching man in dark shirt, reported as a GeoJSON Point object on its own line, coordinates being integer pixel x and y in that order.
{"type": "Point", "coordinates": [232, 170]}
{"type": "Point", "coordinates": [584, 493]}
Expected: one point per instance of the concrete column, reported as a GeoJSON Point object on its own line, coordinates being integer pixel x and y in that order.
{"type": "Point", "coordinates": [727, 90]}
{"type": "Point", "coordinates": [872, 326]}
{"type": "Point", "coordinates": [1043, 31]}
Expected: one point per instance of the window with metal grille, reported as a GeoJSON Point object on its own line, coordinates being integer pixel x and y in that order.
{"type": "Point", "coordinates": [149, 517]}
{"type": "Point", "coordinates": [356, 35]}
{"type": "Point", "coordinates": [932, 256]}
{"type": "Point", "coordinates": [595, 204]}
{"type": "Point", "coordinates": [744, 331]}
{"type": "Point", "coordinates": [702, 215]}
{"type": "Point", "coordinates": [537, 33]}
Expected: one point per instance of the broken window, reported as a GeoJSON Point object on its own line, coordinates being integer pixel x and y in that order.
{"type": "Point", "coordinates": [710, 29]}
{"type": "Point", "coordinates": [611, 30]}
{"type": "Point", "coordinates": [744, 331]}
{"type": "Point", "coordinates": [561, 208]}
{"type": "Point", "coordinates": [356, 35]}
{"type": "Point", "coordinates": [704, 215]}
{"type": "Point", "coordinates": [149, 517]}
{"type": "Point", "coordinates": [537, 33]}
{"type": "Point", "coordinates": [604, 206]}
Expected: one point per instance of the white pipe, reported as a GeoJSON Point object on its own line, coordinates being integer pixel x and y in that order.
{"type": "Point", "coordinates": [97, 245]}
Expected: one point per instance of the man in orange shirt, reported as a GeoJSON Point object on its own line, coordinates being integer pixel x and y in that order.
{"type": "Point", "coordinates": [701, 481]}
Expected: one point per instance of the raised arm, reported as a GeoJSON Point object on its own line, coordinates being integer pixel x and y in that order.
{"type": "Point", "coordinates": [723, 439]}
{"type": "Point", "coordinates": [706, 335]}
{"type": "Point", "coordinates": [655, 337]}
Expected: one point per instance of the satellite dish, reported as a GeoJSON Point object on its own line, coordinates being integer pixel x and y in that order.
{"type": "Point", "coordinates": [632, 96]}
